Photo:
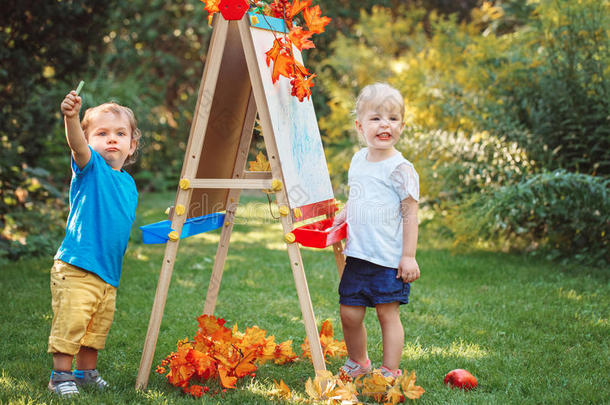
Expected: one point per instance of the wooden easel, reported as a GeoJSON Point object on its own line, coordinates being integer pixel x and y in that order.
{"type": "Point", "coordinates": [230, 96]}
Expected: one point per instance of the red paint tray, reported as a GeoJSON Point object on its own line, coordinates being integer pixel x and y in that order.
{"type": "Point", "coordinates": [314, 234]}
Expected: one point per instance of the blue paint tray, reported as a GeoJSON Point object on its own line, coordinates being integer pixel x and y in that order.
{"type": "Point", "coordinates": [157, 232]}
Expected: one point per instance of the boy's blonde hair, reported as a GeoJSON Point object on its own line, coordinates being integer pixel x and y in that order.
{"type": "Point", "coordinates": [379, 95]}
{"type": "Point", "coordinates": [116, 109]}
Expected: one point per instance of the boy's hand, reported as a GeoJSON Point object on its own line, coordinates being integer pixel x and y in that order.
{"type": "Point", "coordinates": [70, 107]}
{"type": "Point", "coordinates": [408, 269]}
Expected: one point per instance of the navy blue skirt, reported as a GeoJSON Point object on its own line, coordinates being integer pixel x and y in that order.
{"type": "Point", "coordinates": [367, 284]}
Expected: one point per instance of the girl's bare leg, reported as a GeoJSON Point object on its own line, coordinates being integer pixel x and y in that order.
{"type": "Point", "coordinates": [392, 333]}
{"type": "Point", "coordinates": [354, 332]}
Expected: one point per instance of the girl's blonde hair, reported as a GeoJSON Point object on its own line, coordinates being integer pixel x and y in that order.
{"type": "Point", "coordinates": [379, 95]}
{"type": "Point", "coordinates": [116, 109]}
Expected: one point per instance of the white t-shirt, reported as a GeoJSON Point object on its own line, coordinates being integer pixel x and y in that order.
{"type": "Point", "coordinates": [373, 209]}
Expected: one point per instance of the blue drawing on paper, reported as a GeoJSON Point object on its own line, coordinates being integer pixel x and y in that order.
{"type": "Point", "coordinates": [297, 134]}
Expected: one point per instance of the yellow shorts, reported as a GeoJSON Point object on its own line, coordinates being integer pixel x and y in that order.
{"type": "Point", "coordinates": [83, 309]}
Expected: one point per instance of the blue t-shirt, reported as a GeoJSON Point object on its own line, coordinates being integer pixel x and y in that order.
{"type": "Point", "coordinates": [103, 205]}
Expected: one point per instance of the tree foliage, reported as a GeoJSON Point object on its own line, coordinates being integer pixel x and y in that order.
{"type": "Point", "coordinates": [495, 91]}
{"type": "Point", "coordinates": [490, 102]}
{"type": "Point", "coordinates": [43, 44]}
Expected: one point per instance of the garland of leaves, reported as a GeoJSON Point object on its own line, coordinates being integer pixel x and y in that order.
{"type": "Point", "coordinates": [281, 53]}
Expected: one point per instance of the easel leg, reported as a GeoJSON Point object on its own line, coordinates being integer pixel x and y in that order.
{"type": "Point", "coordinates": [311, 330]}
{"type": "Point", "coordinates": [221, 255]}
{"type": "Point", "coordinates": [156, 314]}
{"type": "Point", "coordinates": [339, 257]}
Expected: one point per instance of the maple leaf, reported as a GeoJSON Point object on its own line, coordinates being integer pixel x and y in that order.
{"type": "Point", "coordinates": [321, 387]}
{"type": "Point", "coordinates": [301, 87]}
{"type": "Point", "coordinates": [282, 65]}
{"type": "Point", "coordinates": [222, 334]}
{"type": "Point", "coordinates": [314, 21]}
{"type": "Point", "coordinates": [301, 38]}
{"type": "Point", "coordinates": [205, 366]}
{"type": "Point", "coordinates": [283, 353]}
{"type": "Point", "coordinates": [225, 380]}
{"type": "Point", "coordinates": [211, 6]}
{"type": "Point", "coordinates": [245, 365]}
{"type": "Point", "coordinates": [407, 383]}
{"type": "Point", "coordinates": [330, 346]}
{"type": "Point", "coordinates": [208, 324]}
{"type": "Point", "coordinates": [374, 384]}
{"type": "Point", "coordinates": [327, 329]}
{"type": "Point", "coordinates": [297, 7]}
{"type": "Point", "coordinates": [300, 69]}
{"type": "Point", "coordinates": [394, 395]}
{"type": "Point", "coordinates": [274, 52]}
{"type": "Point", "coordinates": [282, 390]}
{"type": "Point", "coordinates": [345, 392]}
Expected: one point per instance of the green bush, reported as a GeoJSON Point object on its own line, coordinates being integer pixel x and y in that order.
{"type": "Point", "coordinates": [452, 166]}
{"type": "Point", "coordinates": [560, 214]}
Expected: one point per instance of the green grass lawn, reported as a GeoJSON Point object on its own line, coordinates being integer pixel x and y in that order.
{"type": "Point", "coordinates": [529, 330]}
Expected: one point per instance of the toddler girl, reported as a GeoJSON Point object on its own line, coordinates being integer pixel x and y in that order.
{"type": "Point", "coordinates": [381, 213]}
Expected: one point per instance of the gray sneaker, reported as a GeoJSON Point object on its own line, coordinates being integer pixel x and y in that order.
{"type": "Point", "coordinates": [63, 384]}
{"type": "Point", "coordinates": [386, 372]}
{"type": "Point", "coordinates": [354, 369]}
{"type": "Point", "coordinates": [90, 378]}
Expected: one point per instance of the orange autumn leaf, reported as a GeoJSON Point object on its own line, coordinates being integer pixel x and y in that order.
{"type": "Point", "coordinates": [209, 324]}
{"type": "Point", "coordinates": [274, 52]}
{"type": "Point", "coordinates": [283, 65]}
{"type": "Point", "coordinates": [211, 6]}
{"type": "Point", "coordinates": [327, 329]}
{"type": "Point", "coordinates": [222, 334]}
{"type": "Point", "coordinates": [204, 364]}
{"type": "Point", "coordinates": [393, 395]}
{"type": "Point", "coordinates": [219, 352]}
{"type": "Point", "coordinates": [301, 38]}
{"type": "Point", "coordinates": [282, 390]}
{"type": "Point", "coordinates": [297, 7]}
{"type": "Point", "coordinates": [283, 353]}
{"type": "Point", "coordinates": [374, 385]}
{"type": "Point", "coordinates": [313, 19]}
{"type": "Point", "coordinates": [330, 346]}
{"type": "Point", "coordinates": [225, 380]}
{"type": "Point", "coordinates": [301, 87]}
{"type": "Point", "coordinates": [245, 366]}
{"type": "Point", "coordinates": [410, 390]}
{"type": "Point", "coordinates": [300, 69]}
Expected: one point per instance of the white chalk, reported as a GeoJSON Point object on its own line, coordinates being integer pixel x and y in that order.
{"type": "Point", "coordinates": [79, 88]}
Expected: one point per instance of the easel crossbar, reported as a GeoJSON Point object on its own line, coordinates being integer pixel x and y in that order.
{"type": "Point", "coordinates": [257, 184]}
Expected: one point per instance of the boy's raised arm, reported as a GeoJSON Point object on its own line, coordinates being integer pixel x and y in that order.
{"type": "Point", "coordinates": [70, 107]}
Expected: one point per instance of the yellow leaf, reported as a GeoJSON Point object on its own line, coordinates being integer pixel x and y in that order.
{"type": "Point", "coordinates": [261, 164]}
{"type": "Point", "coordinates": [407, 383]}
{"type": "Point", "coordinates": [394, 395]}
{"type": "Point", "coordinates": [322, 386]}
{"type": "Point", "coordinates": [345, 392]}
{"type": "Point", "coordinates": [282, 390]}
{"type": "Point", "coordinates": [374, 384]}
{"type": "Point", "coordinates": [312, 389]}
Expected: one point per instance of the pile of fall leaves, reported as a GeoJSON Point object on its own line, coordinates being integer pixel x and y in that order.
{"type": "Point", "coordinates": [281, 54]}
{"type": "Point", "coordinates": [223, 355]}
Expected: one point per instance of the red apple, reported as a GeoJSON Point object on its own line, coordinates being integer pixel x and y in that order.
{"type": "Point", "coordinates": [461, 379]}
